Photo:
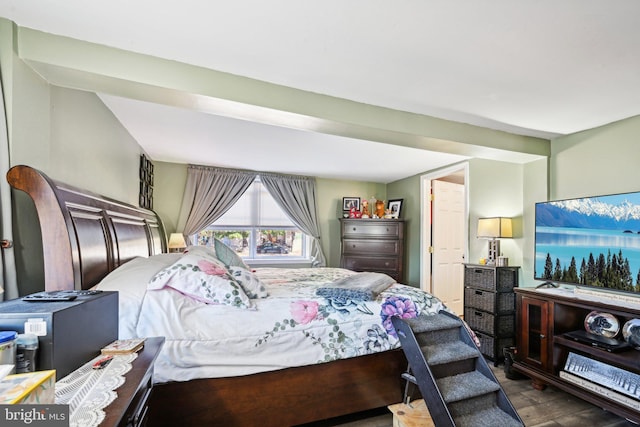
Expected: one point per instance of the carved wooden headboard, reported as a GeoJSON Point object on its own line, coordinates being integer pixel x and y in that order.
{"type": "Point", "coordinates": [84, 235]}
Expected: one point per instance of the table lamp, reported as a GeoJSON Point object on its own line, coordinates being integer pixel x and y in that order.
{"type": "Point", "coordinates": [176, 242]}
{"type": "Point", "coordinates": [493, 229]}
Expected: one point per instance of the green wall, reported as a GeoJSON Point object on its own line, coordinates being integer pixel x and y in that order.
{"type": "Point", "coordinates": [535, 189]}
{"type": "Point", "coordinates": [495, 189]}
{"type": "Point", "coordinates": [408, 189]}
{"type": "Point", "coordinates": [71, 136]}
{"type": "Point", "coordinates": [169, 180]}
{"type": "Point", "coordinates": [599, 161]}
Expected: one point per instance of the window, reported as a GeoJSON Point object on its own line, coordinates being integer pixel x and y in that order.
{"type": "Point", "coordinates": [257, 228]}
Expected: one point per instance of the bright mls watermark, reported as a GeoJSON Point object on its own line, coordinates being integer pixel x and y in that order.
{"type": "Point", "coordinates": [34, 415]}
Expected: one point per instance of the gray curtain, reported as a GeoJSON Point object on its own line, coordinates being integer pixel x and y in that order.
{"type": "Point", "coordinates": [296, 195]}
{"type": "Point", "coordinates": [208, 194]}
{"type": "Point", "coordinates": [8, 281]}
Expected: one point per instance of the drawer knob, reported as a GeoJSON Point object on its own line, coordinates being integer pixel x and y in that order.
{"type": "Point", "coordinates": [478, 292]}
{"type": "Point", "coordinates": [354, 229]}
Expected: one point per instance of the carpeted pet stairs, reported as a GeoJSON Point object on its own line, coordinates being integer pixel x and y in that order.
{"type": "Point", "coordinates": [454, 379]}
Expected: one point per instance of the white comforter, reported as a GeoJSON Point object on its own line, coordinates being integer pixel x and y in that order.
{"type": "Point", "coordinates": [291, 327]}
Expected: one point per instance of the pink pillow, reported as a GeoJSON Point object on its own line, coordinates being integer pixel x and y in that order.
{"type": "Point", "coordinates": [202, 278]}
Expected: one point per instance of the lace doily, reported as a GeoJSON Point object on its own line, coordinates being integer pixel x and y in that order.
{"type": "Point", "coordinates": [88, 391]}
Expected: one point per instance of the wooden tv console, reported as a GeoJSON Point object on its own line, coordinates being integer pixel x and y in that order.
{"type": "Point", "coordinates": [543, 316]}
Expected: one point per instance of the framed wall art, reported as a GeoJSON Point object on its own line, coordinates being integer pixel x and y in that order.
{"type": "Point", "coordinates": [395, 206]}
{"type": "Point", "coordinates": [146, 182]}
{"type": "Point", "coordinates": [350, 202]}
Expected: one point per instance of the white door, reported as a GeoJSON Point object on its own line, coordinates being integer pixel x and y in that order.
{"type": "Point", "coordinates": [447, 240]}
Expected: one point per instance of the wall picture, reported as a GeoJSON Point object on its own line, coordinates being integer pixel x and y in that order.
{"type": "Point", "coordinates": [394, 207]}
{"type": "Point", "coordinates": [350, 202]}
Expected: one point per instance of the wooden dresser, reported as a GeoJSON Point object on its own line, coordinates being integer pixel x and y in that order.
{"type": "Point", "coordinates": [373, 245]}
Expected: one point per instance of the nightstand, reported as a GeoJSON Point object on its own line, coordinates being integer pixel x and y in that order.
{"type": "Point", "coordinates": [490, 307]}
{"type": "Point", "coordinates": [131, 404]}
{"type": "Point", "coordinates": [130, 407]}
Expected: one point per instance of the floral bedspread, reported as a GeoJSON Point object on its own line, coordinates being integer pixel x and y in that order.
{"type": "Point", "coordinates": [351, 328]}
{"type": "Point", "coordinates": [291, 327]}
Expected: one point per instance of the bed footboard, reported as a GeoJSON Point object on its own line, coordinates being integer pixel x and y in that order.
{"type": "Point", "coordinates": [282, 398]}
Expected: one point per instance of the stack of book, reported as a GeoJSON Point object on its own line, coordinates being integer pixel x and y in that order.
{"type": "Point", "coordinates": [123, 346]}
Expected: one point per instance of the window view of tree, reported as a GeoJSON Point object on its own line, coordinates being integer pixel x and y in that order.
{"type": "Point", "coordinates": [256, 227]}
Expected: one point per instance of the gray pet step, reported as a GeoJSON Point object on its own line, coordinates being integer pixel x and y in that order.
{"type": "Point", "coordinates": [494, 417]}
{"type": "Point", "coordinates": [438, 337]}
{"type": "Point", "coordinates": [466, 386]}
{"type": "Point", "coordinates": [470, 406]}
{"type": "Point", "coordinates": [448, 352]}
{"type": "Point", "coordinates": [432, 322]}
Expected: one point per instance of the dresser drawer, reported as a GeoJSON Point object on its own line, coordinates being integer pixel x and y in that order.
{"type": "Point", "coordinates": [136, 413]}
{"type": "Point", "coordinates": [381, 264]}
{"type": "Point", "coordinates": [501, 279]}
{"type": "Point", "coordinates": [489, 300]}
{"type": "Point", "coordinates": [496, 325]}
{"type": "Point", "coordinates": [378, 229]}
{"type": "Point", "coordinates": [370, 247]}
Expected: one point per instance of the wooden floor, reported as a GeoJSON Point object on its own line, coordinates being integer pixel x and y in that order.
{"type": "Point", "coordinates": [548, 408]}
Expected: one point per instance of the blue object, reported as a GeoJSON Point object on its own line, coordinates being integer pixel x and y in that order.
{"type": "Point", "coordinates": [7, 336]}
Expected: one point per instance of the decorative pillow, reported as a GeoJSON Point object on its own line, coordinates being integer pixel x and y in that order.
{"type": "Point", "coordinates": [204, 251]}
{"type": "Point", "coordinates": [251, 284]}
{"type": "Point", "coordinates": [228, 256]}
{"type": "Point", "coordinates": [202, 278]}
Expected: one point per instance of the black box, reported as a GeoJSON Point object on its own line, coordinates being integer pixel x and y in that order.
{"type": "Point", "coordinates": [75, 330]}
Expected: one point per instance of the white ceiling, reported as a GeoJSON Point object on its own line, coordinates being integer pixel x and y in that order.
{"type": "Point", "coordinates": [539, 68]}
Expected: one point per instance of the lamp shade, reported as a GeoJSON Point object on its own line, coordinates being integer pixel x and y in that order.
{"type": "Point", "coordinates": [176, 241]}
{"type": "Point", "coordinates": [495, 228]}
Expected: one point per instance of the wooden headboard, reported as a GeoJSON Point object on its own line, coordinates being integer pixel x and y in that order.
{"type": "Point", "coordinates": [84, 235]}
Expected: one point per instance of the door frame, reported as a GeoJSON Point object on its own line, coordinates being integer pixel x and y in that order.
{"type": "Point", "coordinates": [425, 217]}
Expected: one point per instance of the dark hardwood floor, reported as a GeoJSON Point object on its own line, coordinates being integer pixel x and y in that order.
{"type": "Point", "coordinates": [548, 408]}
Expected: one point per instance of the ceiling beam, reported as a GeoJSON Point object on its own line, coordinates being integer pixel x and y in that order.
{"type": "Point", "coordinates": [77, 64]}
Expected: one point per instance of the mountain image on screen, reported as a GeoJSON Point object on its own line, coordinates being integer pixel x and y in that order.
{"type": "Point", "coordinates": [591, 241]}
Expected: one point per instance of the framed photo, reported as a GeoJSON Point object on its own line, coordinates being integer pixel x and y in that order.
{"type": "Point", "coordinates": [350, 202]}
{"type": "Point", "coordinates": [395, 206]}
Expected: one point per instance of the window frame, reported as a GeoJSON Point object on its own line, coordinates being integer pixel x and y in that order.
{"type": "Point", "coordinates": [255, 228]}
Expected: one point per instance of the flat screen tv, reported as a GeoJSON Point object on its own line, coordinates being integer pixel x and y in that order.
{"type": "Point", "coordinates": [590, 241]}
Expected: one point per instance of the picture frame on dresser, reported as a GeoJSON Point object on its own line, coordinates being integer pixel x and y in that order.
{"type": "Point", "coordinates": [395, 206]}
{"type": "Point", "coordinates": [349, 202]}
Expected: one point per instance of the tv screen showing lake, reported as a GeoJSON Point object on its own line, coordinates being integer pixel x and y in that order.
{"type": "Point", "coordinates": [602, 236]}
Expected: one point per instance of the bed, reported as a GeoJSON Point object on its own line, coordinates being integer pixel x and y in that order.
{"type": "Point", "coordinates": [91, 241]}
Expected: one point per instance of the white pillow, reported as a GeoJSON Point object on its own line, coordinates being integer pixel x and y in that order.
{"type": "Point", "coordinates": [130, 281]}
{"type": "Point", "coordinates": [202, 278]}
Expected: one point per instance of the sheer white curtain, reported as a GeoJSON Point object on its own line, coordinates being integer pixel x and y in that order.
{"type": "Point", "coordinates": [208, 194]}
{"type": "Point", "coordinates": [296, 195]}
{"type": "Point", "coordinates": [8, 281]}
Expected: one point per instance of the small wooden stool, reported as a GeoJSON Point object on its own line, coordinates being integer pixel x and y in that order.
{"type": "Point", "coordinates": [415, 414]}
